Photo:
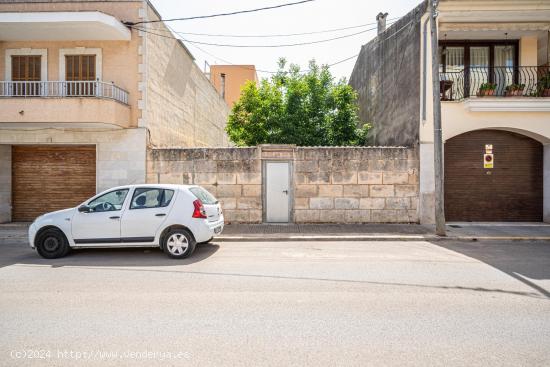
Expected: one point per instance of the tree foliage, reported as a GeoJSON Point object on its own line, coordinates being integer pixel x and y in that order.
{"type": "Point", "coordinates": [306, 109]}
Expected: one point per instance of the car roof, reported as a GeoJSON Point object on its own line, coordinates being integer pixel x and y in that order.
{"type": "Point", "coordinates": [160, 186]}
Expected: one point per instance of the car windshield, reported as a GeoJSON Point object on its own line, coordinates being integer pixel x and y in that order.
{"type": "Point", "coordinates": [204, 196]}
{"type": "Point", "coordinates": [110, 201]}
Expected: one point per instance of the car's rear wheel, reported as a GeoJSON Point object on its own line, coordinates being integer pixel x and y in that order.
{"type": "Point", "coordinates": [179, 243]}
{"type": "Point", "coordinates": [52, 243]}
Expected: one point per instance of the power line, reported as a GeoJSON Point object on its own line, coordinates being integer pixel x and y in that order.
{"type": "Point", "coordinates": [260, 46]}
{"type": "Point", "coordinates": [258, 70]}
{"type": "Point", "coordinates": [271, 35]}
{"type": "Point", "coordinates": [269, 71]}
{"type": "Point", "coordinates": [233, 64]}
{"type": "Point", "coordinates": [221, 14]}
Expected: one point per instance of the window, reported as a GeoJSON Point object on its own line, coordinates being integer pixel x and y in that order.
{"type": "Point", "coordinates": [25, 71]}
{"type": "Point", "coordinates": [111, 201]}
{"type": "Point", "coordinates": [145, 198]}
{"type": "Point", "coordinates": [204, 196]}
{"type": "Point", "coordinates": [469, 64]}
{"type": "Point", "coordinates": [79, 71]}
{"type": "Point", "coordinates": [79, 67]}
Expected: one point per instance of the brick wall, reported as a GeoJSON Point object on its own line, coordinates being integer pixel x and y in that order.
{"type": "Point", "coordinates": [330, 185]}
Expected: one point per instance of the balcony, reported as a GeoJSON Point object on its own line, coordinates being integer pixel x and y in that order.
{"type": "Point", "coordinates": [63, 89]}
{"type": "Point", "coordinates": [86, 104]}
{"type": "Point", "coordinates": [522, 81]}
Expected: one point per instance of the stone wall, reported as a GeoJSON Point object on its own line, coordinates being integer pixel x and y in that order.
{"type": "Point", "coordinates": [233, 175]}
{"type": "Point", "coordinates": [182, 107]}
{"type": "Point", "coordinates": [355, 185]}
{"type": "Point", "coordinates": [386, 77]}
{"type": "Point", "coordinates": [329, 185]}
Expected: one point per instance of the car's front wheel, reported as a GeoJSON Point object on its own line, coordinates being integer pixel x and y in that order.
{"type": "Point", "coordinates": [52, 243]}
{"type": "Point", "coordinates": [179, 243]}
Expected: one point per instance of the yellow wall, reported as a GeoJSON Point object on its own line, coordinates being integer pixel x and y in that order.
{"type": "Point", "coordinates": [182, 108]}
{"type": "Point", "coordinates": [235, 78]}
{"type": "Point", "coordinates": [120, 59]}
{"type": "Point", "coordinates": [457, 119]}
{"type": "Point", "coordinates": [67, 111]}
{"type": "Point", "coordinates": [528, 51]}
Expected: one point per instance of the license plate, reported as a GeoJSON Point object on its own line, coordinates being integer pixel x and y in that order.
{"type": "Point", "coordinates": [218, 230]}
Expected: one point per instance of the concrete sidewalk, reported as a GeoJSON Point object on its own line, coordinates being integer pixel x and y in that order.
{"type": "Point", "coordinates": [17, 232]}
{"type": "Point", "coordinates": [384, 232]}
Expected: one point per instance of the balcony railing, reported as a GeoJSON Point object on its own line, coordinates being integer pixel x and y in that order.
{"type": "Point", "coordinates": [63, 89]}
{"type": "Point", "coordinates": [521, 81]}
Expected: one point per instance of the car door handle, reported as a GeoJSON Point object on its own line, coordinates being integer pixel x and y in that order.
{"type": "Point", "coordinates": [114, 217]}
{"type": "Point", "coordinates": [160, 215]}
{"type": "Point", "coordinates": [285, 191]}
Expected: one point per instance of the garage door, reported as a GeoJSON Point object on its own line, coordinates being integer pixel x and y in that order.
{"type": "Point", "coordinates": [509, 192]}
{"type": "Point", "coordinates": [47, 178]}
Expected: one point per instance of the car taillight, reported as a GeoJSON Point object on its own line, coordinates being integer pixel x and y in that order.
{"type": "Point", "coordinates": [199, 211]}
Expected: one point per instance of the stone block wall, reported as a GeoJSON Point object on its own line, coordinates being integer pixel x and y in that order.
{"type": "Point", "coordinates": [355, 185]}
{"type": "Point", "coordinates": [233, 175]}
{"type": "Point", "coordinates": [386, 77]}
{"type": "Point", "coordinates": [329, 185]}
{"type": "Point", "coordinates": [182, 107]}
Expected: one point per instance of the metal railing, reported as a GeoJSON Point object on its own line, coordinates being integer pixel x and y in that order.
{"type": "Point", "coordinates": [520, 81]}
{"type": "Point", "coordinates": [78, 88]}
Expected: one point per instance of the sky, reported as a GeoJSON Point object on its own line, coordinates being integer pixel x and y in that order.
{"type": "Point", "coordinates": [308, 17]}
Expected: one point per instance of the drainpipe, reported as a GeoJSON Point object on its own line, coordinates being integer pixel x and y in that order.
{"type": "Point", "coordinates": [381, 19]}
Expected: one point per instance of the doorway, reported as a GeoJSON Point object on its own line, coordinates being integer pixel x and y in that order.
{"type": "Point", "coordinates": [277, 192]}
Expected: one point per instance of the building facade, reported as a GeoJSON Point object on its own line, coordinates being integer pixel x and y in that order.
{"type": "Point", "coordinates": [229, 80]}
{"type": "Point", "coordinates": [495, 104]}
{"type": "Point", "coordinates": [83, 97]}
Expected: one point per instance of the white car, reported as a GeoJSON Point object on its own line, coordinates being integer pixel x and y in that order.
{"type": "Point", "coordinates": [172, 217]}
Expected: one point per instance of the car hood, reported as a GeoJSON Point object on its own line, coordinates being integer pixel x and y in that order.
{"type": "Point", "coordinates": [58, 214]}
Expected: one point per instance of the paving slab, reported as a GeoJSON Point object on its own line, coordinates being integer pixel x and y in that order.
{"type": "Point", "coordinates": [17, 232]}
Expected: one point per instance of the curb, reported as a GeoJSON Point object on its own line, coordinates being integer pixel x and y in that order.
{"type": "Point", "coordinates": [376, 238]}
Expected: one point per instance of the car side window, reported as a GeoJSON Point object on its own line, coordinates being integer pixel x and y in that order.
{"type": "Point", "coordinates": [111, 201]}
{"type": "Point", "coordinates": [149, 197]}
{"type": "Point", "coordinates": [167, 198]}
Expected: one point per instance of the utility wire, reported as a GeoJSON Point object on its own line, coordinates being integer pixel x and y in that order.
{"type": "Point", "coordinates": [182, 33]}
{"type": "Point", "coordinates": [259, 46]}
{"type": "Point", "coordinates": [221, 14]}
{"type": "Point", "coordinates": [249, 68]}
{"type": "Point", "coordinates": [268, 71]}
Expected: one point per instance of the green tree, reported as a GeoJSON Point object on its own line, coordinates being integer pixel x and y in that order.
{"type": "Point", "coordinates": [291, 107]}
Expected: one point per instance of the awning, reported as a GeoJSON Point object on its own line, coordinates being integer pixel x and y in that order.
{"type": "Point", "coordinates": [62, 26]}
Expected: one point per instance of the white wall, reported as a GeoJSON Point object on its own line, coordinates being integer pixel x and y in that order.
{"type": "Point", "coordinates": [527, 116]}
{"type": "Point", "coordinates": [121, 156]}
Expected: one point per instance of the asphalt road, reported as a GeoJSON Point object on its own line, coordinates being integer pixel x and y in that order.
{"type": "Point", "coordinates": [280, 304]}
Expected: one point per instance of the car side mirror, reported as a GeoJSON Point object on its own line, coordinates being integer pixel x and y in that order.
{"type": "Point", "coordinates": [84, 209]}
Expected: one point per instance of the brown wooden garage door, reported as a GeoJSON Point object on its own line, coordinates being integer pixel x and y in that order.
{"type": "Point", "coordinates": [47, 178]}
{"type": "Point", "coordinates": [510, 192]}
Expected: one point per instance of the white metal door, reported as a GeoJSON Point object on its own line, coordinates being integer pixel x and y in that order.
{"type": "Point", "coordinates": [277, 192]}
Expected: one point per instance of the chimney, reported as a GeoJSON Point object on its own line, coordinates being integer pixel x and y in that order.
{"type": "Point", "coordinates": [381, 19]}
